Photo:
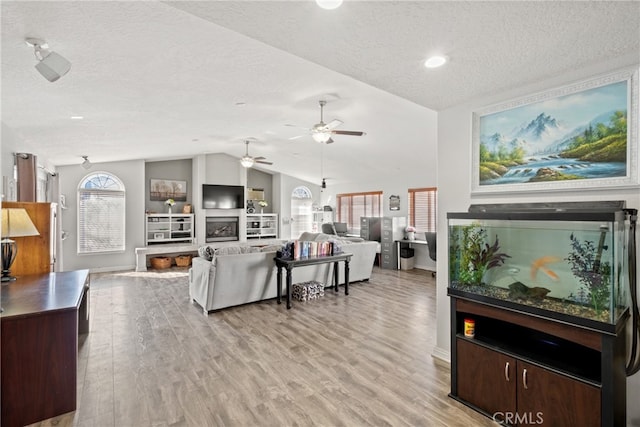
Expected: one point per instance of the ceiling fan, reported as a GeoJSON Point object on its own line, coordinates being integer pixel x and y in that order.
{"type": "Point", "coordinates": [247, 161]}
{"type": "Point", "coordinates": [321, 132]}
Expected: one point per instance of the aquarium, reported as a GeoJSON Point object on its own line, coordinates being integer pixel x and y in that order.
{"type": "Point", "coordinates": [567, 264]}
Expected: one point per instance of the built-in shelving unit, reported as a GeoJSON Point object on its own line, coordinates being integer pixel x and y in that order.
{"type": "Point", "coordinates": [262, 226]}
{"type": "Point", "coordinates": [169, 228]}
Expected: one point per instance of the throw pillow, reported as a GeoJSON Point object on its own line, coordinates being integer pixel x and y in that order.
{"type": "Point", "coordinates": [206, 252]}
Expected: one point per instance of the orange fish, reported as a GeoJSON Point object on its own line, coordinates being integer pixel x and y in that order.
{"type": "Point", "coordinates": [541, 264]}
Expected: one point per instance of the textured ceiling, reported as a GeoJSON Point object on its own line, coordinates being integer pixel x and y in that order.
{"type": "Point", "coordinates": [493, 46]}
{"type": "Point", "coordinates": [162, 79]}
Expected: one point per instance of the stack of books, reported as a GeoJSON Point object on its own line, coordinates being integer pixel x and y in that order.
{"type": "Point", "coordinates": [304, 249]}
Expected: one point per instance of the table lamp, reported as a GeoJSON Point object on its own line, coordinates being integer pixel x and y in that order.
{"type": "Point", "coordinates": [15, 223]}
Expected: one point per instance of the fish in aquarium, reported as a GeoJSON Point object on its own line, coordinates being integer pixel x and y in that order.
{"type": "Point", "coordinates": [541, 264]}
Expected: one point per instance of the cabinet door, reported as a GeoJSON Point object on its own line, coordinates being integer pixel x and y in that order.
{"type": "Point", "coordinates": [557, 399]}
{"type": "Point", "coordinates": [34, 256]}
{"type": "Point", "coordinates": [486, 379]}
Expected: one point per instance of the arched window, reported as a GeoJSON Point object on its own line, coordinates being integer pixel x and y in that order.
{"type": "Point", "coordinates": [101, 214]}
{"type": "Point", "coordinates": [301, 211]}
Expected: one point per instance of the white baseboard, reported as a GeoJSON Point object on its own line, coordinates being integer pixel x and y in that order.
{"type": "Point", "coordinates": [441, 354]}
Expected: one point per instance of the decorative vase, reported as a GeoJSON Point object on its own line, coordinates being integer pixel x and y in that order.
{"type": "Point", "coordinates": [411, 235]}
{"type": "Point", "coordinates": [169, 209]}
{"type": "Point", "coordinates": [261, 211]}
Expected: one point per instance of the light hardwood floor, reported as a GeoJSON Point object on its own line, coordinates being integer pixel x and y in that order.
{"type": "Point", "coordinates": [152, 359]}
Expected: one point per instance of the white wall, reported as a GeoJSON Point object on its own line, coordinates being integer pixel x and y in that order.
{"type": "Point", "coordinates": [260, 179]}
{"type": "Point", "coordinates": [454, 158]}
{"type": "Point", "coordinates": [131, 173]}
{"type": "Point", "coordinates": [178, 170]}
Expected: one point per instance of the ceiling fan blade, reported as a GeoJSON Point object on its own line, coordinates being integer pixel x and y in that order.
{"type": "Point", "coordinates": [329, 141]}
{"type": "Point", "coordinates": [333, 124]}
{"type": "Point", "coordinates": [295, 126]}
{"type": "Point", "coordinates": [348, 132]}
{"type": "Point", "coordinates": [259, 158]}
{"type": "Point", "coordinates": [263, 162]}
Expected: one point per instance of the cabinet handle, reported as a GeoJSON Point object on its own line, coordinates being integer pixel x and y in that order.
{"type": "Point", "coordinates": [524, 379]}
{"type": "Point", "coordinates": [506, 371]}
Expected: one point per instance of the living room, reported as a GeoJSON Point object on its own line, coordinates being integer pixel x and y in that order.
{"type": "Point", "coordinates": [439, 156]}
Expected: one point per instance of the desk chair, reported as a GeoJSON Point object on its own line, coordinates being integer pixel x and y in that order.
{"type": "Point", "coordinates": [341, 228]}
{"type": "Point", "coordinates": [328, 228]}
{"type": "Point", "coordinates": [431, 243]}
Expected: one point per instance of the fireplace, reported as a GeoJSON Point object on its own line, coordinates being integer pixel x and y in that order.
{"type": "Point", "coordinates": [222, 228]}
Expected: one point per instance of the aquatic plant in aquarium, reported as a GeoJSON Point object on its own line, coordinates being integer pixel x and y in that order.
{"type": "Point", "coordinates": [594, 276]}
{"type": "Point", "coordinates": [476, 256]}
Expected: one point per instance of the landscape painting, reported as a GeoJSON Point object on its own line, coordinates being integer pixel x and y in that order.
{"type": "Point", "coordinates": [569, 138]}
{"type": "Point", "coordinates": [163, 189]}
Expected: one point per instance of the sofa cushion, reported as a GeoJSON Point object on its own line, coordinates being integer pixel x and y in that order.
{"type": "Point", "coordinates": [271, 248]}
{"type": "Point", "coordinates": [206, 252]}
{"type": "Point", "coordinates": [236, 250]}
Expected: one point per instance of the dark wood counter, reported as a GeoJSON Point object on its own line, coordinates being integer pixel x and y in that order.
{"type": "Point", "coordinates": [41, 319]}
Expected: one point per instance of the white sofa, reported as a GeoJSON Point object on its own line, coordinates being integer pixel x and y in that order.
{"type": "Point", "coordinates": [242, 274]}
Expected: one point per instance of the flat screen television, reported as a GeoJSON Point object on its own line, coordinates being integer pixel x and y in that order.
{"type": "Point", "coordinates": [222, 196]}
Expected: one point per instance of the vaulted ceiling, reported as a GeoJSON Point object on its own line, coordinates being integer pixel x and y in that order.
{"type": "Point", "coordinates": [157, 80]}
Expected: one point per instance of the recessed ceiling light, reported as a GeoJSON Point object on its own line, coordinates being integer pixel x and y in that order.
{"type": "Point", "coordinates": [329, 4]}
{"type": "Point", "coordinates": [436, 61]}
{"type": "Point", "coordinates": [77, 117]}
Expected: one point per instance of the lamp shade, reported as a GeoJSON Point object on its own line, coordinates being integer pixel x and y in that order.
{"type": "Point", "coordinates": [17, 223]}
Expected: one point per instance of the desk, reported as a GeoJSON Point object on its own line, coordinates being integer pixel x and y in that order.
{"type": "Point", "coordinates": [409, 242]}
{"type": "Point", "coordinates": [290, 264]}
{"type": "Point", "coordinates": [43, 315]}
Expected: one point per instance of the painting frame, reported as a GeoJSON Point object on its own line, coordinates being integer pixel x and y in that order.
{"type": "Point", "coordinates": [601, 83]}
{"type": "Point", "coordinates": [163, 189]}
{"type": "Point", "coordinates": [394, 202]}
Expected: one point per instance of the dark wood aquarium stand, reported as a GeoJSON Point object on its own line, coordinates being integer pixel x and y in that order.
{"type": "Point", "coordinates": [530, 369]}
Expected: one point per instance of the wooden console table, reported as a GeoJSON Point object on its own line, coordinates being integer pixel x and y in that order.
{"type": "Point", "coordinates": [290, 264]}
{"type": "Point", "coordinates": [43, 314]}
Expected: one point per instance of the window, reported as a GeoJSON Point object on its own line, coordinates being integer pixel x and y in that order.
{"type": "Point", "coordinates": [301, 211]}
{"type": "Point", "coordinates": [423, 208]}
{"type": "Point", "coordinates": [101, 214]}
{"type": "Point", "coordinates": [352, 206]}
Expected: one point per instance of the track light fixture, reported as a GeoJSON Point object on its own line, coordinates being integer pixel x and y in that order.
{"type": "Point", "coordinates": [86, 164]}
{"type": "Point", "coordinates": [51, 65]}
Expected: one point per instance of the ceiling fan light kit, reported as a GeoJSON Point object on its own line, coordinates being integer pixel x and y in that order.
{"type": "Point", "coordinates": [321, 136]}
{"type": "Point", "coordinates": [248, 161]}
{"type": "Point", "coordinates": [321, 132]}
